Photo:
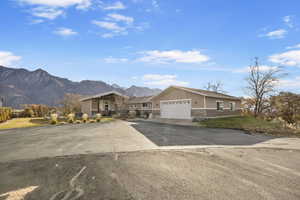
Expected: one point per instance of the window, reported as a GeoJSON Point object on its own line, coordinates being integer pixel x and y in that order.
{"type": "Point", "coordinates": [145, 105]}
{"type": "Point", "coordinates": [220, 105]}
{"type": "Point", "coordinates": [232, 106]}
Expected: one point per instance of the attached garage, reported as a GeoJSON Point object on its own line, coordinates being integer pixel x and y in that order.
{"type": "Point", "coordinates": [176, 109]}
{"type": "Point", "coordinates": [188, 103]}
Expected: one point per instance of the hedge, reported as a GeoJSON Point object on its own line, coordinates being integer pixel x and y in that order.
{"type": "Point", "coordinates": [5, 113]}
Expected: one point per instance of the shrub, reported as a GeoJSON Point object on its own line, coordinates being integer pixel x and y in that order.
{"type": "Point", "coordinates": [78, 122]}
{"type": "Point", "coordinates": [5, 113]}
{"type": "Point", "coordinates": [71, 117]}
{"type": "Point", "coordinates": [98, 117]}
{"type": "Point", "coordinates": [54, 117]}
{"type": "Point", "coordinates": [85, 117]}
{"type": "Point", "coordinates": [92, 121]}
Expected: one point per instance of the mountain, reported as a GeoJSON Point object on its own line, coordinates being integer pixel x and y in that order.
{"type": "Point", "coordinates": [141, 91]}
{"type": "Point", "coordinates": [21, 86]}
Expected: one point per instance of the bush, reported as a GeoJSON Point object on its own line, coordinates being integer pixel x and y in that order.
{"type": "Point", "coordinates": [35, 110]}
{"type": "Point", "coordinates": [5, 113]}
{"type": "Point", "coordinates": [98, 117]}
{"type": "Point", "coordinates": [71, 117]}
{"type": "Point", "coordinates": [85, 117]}
{"type": "Point", "coordinates": [54, 117]}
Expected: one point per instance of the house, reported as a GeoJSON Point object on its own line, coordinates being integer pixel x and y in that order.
{"type": "Point", "coordinates": [106, 103]}
{"type": "Point", "coordinates": [175, 102]}
{"type": "Point", "coordinates": [142, 105]}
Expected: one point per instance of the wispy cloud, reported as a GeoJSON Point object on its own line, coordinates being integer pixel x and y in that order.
{"type": "Point", "coordinates": [115, 60]}
{"type": "Point", "coordinates": [177, 56]}
{"type": "Point", "coordinates": [109, 25]}
{"type": "Point", "coordinates": [8, 58]}
{"type": "Point", "coordinates": [160, 80]}
{"type": "Point", "coordinates": [65, 32]}
{"type": "Point", "coordinates": [276, 34]}
{"type": "Point", "coordinates": [288, 21]}
{"type": "Point", "coordinates": [80, 4]}
{"type": "Point", "coordinates": [51, 9]}
{"type": "Point", "coordinates": [290, 83]}
{"type": "Point", "coordinates": [120, 18]}
{"type": "Point", "coordinates": [47, 12]}
{"type": "Point", "coordinates": [118, 5]}
{"type": "Point", "coordinates": [261, 68]}
{"type": "Point", "coordinates": [118, 25]}
{"type": "Point", "coordinates": [297, 46]}
{"type": "Point", "coordinates": [288, 58]}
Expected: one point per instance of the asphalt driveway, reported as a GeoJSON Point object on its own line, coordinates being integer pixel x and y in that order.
{"type": "Point", "coordinates": [175, 135]}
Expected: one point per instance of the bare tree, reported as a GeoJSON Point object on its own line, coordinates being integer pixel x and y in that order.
{"type": "Point", "coordinates": [215, 86]}
{"type": "Point", "coordinates": [71, 103]}
{"type": "Point", "coordinates": [261, 84]}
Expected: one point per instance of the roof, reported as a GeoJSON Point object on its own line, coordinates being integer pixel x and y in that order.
{"type": "Point", "coordinates": [203, 93]}
{"type": "Point", "coordinates": [104, 94]}
{"type": "Point", "coordinates": [140, 99]}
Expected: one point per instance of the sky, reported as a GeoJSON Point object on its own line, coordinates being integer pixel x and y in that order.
{"type": "Point", "coordinates": [153, 43]}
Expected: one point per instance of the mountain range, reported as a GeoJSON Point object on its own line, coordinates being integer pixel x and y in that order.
{"type": "Point", "coordinates": [21, 86]}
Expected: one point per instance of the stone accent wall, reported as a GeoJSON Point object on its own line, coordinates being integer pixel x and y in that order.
{"type": "Point", "coordinates": [226, 112]}
{"type": "Point", "coordinates": [198, 113]}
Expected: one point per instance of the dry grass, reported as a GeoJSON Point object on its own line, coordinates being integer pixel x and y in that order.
{"type": "Point", "coordinates": [23, 122]}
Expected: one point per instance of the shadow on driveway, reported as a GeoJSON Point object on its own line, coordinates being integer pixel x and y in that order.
{"type": "Point", "coordinates": [175, 135]}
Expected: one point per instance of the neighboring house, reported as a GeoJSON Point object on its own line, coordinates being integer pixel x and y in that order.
{"type": "Point", "coordinates": [173, 103]}
{"type": "Point", "coordinates": [142, 105]}
{"type": "Point", "coordinates": [107, 103]}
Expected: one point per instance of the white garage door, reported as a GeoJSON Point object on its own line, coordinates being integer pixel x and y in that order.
{"type": "Point", "coordinates": [176, 109]}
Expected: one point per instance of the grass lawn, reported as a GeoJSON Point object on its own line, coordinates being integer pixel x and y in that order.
{"type": "Point", "coordinates": [251, 125]}
{"type": "Point", "coordinates": [23, 122]}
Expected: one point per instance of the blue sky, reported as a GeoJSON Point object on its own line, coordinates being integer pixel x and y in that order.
{"type": "Point", "coordinates": [153, 43]}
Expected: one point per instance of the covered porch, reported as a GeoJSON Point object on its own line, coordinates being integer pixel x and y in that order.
{"type": "Point", "coordinates": [105, 103]}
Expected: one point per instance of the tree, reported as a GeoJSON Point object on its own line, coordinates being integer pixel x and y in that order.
{"type": "Point", "coordinates": [71, 103]}
{"type": "Point", "coordinates": [215, 87]}
{"type": "Point", "coordinates": [261, 84]}
{"type": "Point", "coordinates": [287, 106]}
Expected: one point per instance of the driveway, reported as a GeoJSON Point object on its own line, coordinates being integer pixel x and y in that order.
{"type": "Point", "coordinates": [30, 143]}
{"type": "Point", "coordinates": [176, 135]}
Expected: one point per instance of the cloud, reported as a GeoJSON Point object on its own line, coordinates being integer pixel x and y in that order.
{"type": "Point", "coordinates": [51, 9]}
{"type": "Point", "coordinates": [121, 18]}
{"type": "Point", "coordinates": [7, 58]}
{"type": "Point", "coordinates": [108, 25]}
{"type": "Point", "coordinates": [118, 25]}
{"type": "Point", "coordinates": [115, 60]}
{"type": "Point", "coordinates": [46, 12]}
{"type": "Point", "coordinates": [80, 4]}
{"type": "Point", "coordinates": [276, 34]}
{"type": "Point", "coordinates": [297, 46]}
{"type": "Point", "coordinates": [162, 80]}
{"type": "Point", "coordinates": [289, 58]}
{"type": "Point", "coordinates": [65, 32]}
{"type": "Point", "coordinates": [289, 83]}
{"type": "Point", "coordinates": [262, 68]}
{"type": "Point", "coordinates": [114, 6]}
{"type": "Point", "coordinates": [288, 21]}
{"type": "Point", "coordinates": [177, 56]}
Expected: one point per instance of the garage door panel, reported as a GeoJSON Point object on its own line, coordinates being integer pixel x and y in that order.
{"type": "Point", "coordinates": [176, 109]}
